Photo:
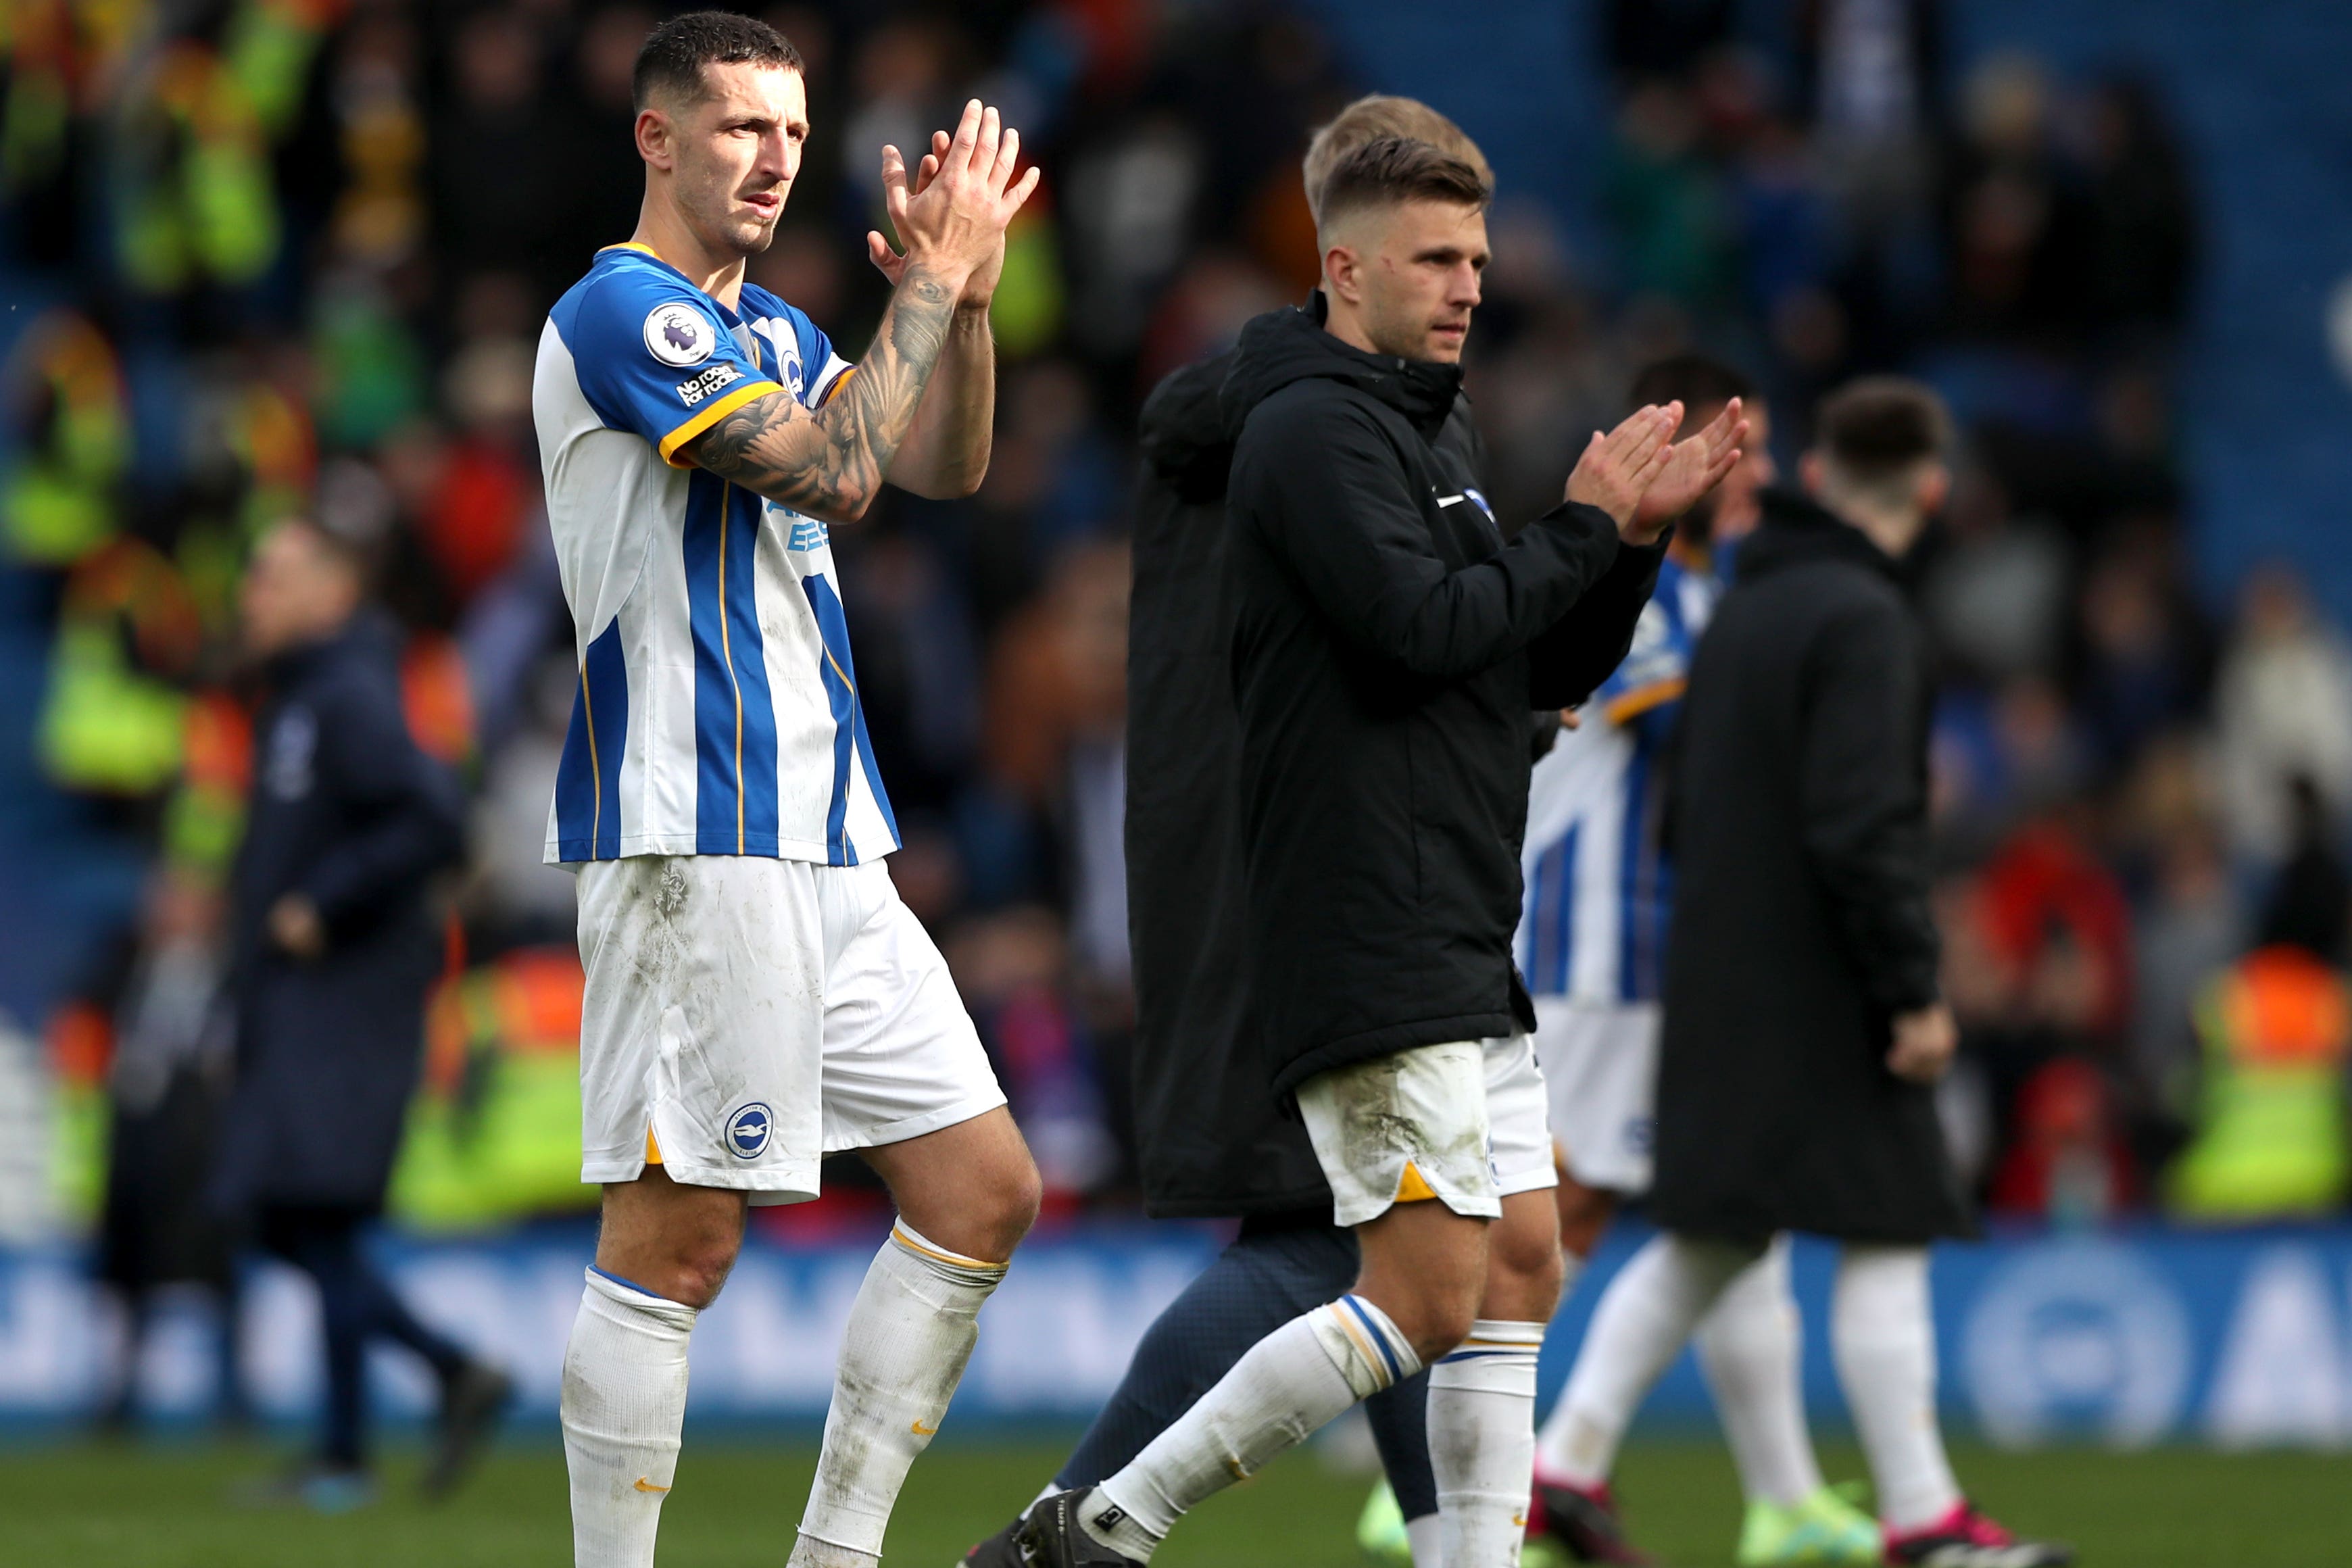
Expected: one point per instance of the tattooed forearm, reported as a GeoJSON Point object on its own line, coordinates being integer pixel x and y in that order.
{"type": "Point", "coordinates": [830, 462]}
{"type": "Point", "coordinates": [946, 454]}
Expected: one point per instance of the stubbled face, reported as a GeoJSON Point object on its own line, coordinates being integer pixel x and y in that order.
{"type": "Point", "coordinates": [1413, 272]}
{"type": "Point", "coordinates": [731, 155]}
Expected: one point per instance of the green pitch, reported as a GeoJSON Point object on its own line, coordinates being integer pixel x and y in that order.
{"type": "Point", "coordinates": [166, 1508]}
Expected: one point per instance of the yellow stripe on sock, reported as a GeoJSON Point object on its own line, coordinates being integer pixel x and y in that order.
{"type": "Point", "coordinates": [1364, 1347]}
{"type": "Point", "coordinates": [898, 1233]}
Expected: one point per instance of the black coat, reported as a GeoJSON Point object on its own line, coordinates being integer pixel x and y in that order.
{"type": "Point", "coordinates": [1212, 1141]}
{"type": "Point", "coordinates": [1388, 646]}
{"type": "Point", "coordinates": [346, 809]}
{"type": "Point", "coordinates": [1798, 819]}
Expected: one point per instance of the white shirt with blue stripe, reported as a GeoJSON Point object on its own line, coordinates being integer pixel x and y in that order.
{"type": "Point", "coordinates": [1592, 925]}
{"type": "Point", "coordinates": [717, 711]}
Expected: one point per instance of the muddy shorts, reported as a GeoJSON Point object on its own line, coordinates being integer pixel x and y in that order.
{"type": "Point", "coordinates": [1462, 1123]}
{"type": "Point", "coordinates": [746, 1017]}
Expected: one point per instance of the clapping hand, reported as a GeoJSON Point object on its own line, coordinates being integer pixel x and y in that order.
{"type": "Point", "coordinates": [1694, 467]}
{"type": "Point", "coordinates": [1618, 469]}
{"type": "Point", "coordinates": [957, 203]}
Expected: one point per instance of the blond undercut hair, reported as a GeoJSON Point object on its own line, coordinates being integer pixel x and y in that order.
{"type": "Point", "coordinates": [1379, 116]}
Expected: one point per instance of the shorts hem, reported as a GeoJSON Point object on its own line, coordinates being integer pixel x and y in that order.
{"type": "Point", "coordinates": [1625, 1183]}
{"type": "Point", "coordinates": [1535, 1179]}
{"type": "Point", "coordinates": [765, 1188]}
{"type": "Point", "coordinates": [915, 1126]}
{"type": "Point", "coordinates": [1479, 1207]}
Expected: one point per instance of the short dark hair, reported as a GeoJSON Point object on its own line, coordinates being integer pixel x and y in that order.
{"type": "Point", "coordinates": [1398, 169]}
{"type": "Point", "coordinates": [675, 53]}
{"type": "Point", "coordinates": [1882, 425]}
{"type": "Point", "coordinates": [1693, 380]}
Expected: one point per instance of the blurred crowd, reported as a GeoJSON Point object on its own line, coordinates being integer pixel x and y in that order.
{"type": "Point", "coordinates": [292, 256]}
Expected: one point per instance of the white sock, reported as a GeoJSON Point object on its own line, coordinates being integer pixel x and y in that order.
{"type": "Point", "coordinates": [910, 1331]}
{"type": "Point", "coordinates": [624, 1402]}
{"type": "Point", "coordinates": [1426, 1537]}
{"type": "Point", "coordinates": [1481, 1441]}
{"type": "Point", "coordinates": [1884, 1343]}
{"type": "Point", "coordinates": [1290, 1383]}
{"type": "Point", "coordinates": [1751, 1348]}
{"type": "Point", "coordinates": [1644, 1320]}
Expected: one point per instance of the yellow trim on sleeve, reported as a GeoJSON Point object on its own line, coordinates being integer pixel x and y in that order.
{"type": "Point", "coordinates": [653, 1150]}
{"type": "Point", "coordinates": [705, 419]}
{"type": "Point", "coordinates": [1642, 699]}
{"type": "Point", "coordinates": [1412, 1187]}
{"type": "Point", "coordinates": [839, 382]}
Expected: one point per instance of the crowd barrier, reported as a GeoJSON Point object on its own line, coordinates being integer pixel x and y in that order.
{"type": "Point", "coordinates": [2126, 1336]}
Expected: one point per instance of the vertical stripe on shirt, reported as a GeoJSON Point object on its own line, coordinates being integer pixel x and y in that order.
{"type": "Point", "coordinates": [588, 779]}
{"type": "Point", "coordinates": [1552, 922]}
{"type": "Point", "coordinates": [735, 806]}
{"type": "Point", "coordinates": [717, 786]}
{"type": "Point", "coordinates": [755, 754]}
{"type": "Point", "coordinates": [1630, 839]}
{"type": "Point", "coordinates": [841, 694]}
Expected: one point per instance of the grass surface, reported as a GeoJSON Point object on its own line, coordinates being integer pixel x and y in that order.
{"type": "Point", "coordinates": [736, 1505]}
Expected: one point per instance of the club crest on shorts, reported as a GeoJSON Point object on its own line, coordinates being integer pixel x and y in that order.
{"type": "Point", "coordinates": [748, 1129]}
{"type": "Point", "coordinates": [677, 333]}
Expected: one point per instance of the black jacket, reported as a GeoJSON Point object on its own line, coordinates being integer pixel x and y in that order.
{"type": "Point", "coordinates": [345, 810]}
{"type": "Point", "coordinates": [1211, 1140]}
{"type": "Point", "coordinates": [1797, 808]}
{"type": "Point", "coordinates": [1388, 646]}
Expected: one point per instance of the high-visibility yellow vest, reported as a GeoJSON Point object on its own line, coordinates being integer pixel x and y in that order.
{"type": "Point", "coordinates": [2271, 1141]}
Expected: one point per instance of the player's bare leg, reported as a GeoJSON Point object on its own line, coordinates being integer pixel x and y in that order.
{"type": "Point", "coordinates": [1482, 1396]}
{"type": "Point", "coordinates": [665, 1250]}
{"type": "Point", "coordinates": [966, 1195]}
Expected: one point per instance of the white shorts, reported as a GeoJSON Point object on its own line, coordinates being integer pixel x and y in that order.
{"type": "Point", "coordinates": [1601, 1065]}
{"type": "Point", "coordinates": [746, 1017]}
{"type": "Point", "coordinates": [1463, 1123]}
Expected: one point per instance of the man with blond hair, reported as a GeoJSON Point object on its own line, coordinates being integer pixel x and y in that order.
{"type": "Point", "coordinates": [1387, 647]}
{"type": "Point", "coordinates": [1213, 1144]}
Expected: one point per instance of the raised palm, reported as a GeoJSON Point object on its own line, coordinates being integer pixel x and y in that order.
{"type": "Point", "coordinates": [1694, 466]}
{"type": "Point", "coordinates": [978, 163]}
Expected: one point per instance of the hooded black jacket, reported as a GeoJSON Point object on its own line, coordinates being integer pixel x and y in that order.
{"type": "Point", "coordinates": [1388, 645]}
{"type": "Point", "coordinates": [1797, 806]}
{"type": "Point", "coordinates": [1211, 1141]}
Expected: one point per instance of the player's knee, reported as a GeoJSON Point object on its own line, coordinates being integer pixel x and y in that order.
{"type": "Point", "coordinates": [1527, 1269]}
{"type": "Point", "coordinates": [1018, 1193]}
{"type": "Point", "coordinates": [1439, 1323]}
{"type": "Point", "coordinates": [696, 1273]}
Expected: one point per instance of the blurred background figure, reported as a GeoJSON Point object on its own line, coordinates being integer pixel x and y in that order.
{"type": "Point", "coordinates": [333, 946]}
{"type": "Point", "coordinates": [166, 1085]}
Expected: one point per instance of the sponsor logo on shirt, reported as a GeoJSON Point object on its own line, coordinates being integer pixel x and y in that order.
{"type": "Point", "coordinates": [677, 333]}
{"type": "Point", "coordinates": [693, 391]}
{"type": "Point", "coordinates": [808, 533]}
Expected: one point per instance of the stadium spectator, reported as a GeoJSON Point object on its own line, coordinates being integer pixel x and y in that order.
{"type": "Point", "coordinates": [332, 944]}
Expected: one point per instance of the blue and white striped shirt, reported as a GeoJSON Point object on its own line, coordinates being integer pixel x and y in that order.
{"type": "Point", "coordinates": [1594, 922]}
{"type": "Point", "coordinates": [718, 709]}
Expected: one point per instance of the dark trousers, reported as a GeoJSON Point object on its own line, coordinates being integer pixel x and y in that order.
{"type": "Point", "coordinates": [355, 1305]}
{"type": "Point", "coordinates": [1277, 1267]}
